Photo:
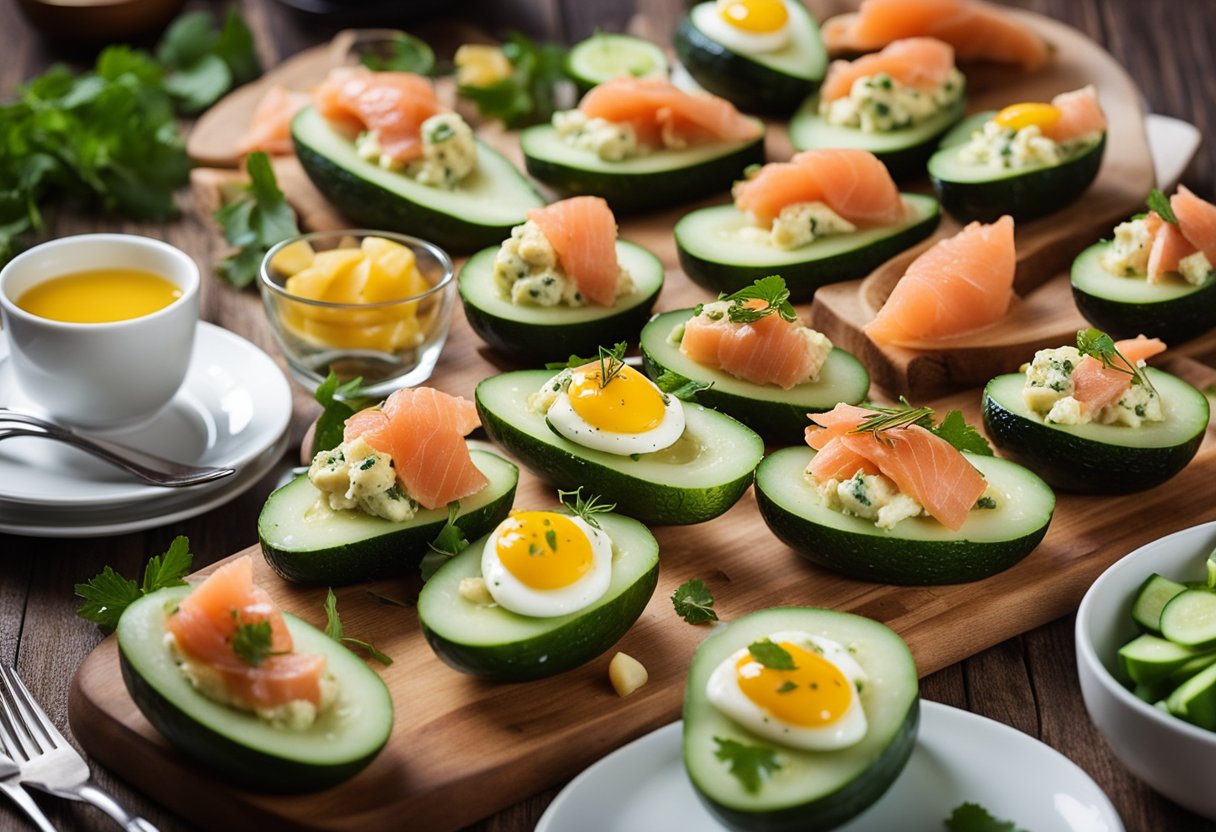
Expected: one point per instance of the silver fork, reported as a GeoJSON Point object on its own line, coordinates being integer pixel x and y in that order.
{"type": "Point", "coordinates": [46, 760]}
{"type": "Point", "coordinates": [9, 785]}
{"type": "Point", "coordinates": [148, 467]}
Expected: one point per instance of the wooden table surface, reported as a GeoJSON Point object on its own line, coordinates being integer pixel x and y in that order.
{"type": "Point", "coordinates": [1028, 682]}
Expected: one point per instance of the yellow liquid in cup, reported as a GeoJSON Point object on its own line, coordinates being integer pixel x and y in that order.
{"type": "Point", "coordinates": [97, 296]}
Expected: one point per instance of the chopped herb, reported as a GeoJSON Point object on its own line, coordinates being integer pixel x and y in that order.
{"type": "Point", "coordinates": [772, 290]}
{"type": "Point", "coordinates": [787, 686]}
{"type": "Point", "coordinates": [441, 133]}
{"type": "Point", "coordinates": [449, 543]}
{"type": "Point", "coordinates": [551, 539]}
{"type": "Point", "coordinates": [694, 602]}
{"type": "Point", "coordinates": [401, 53]}
{"type": "Point", "coordinates": [773, 656]}
{"type": "Point", "coordinates": [251, 641]}
{"type": "Point", "coordinates": [635, 457]}
{"type": "Point", "coordinates": [985, 502]}
{"type": "Point", "coordinates": [748, 763]}
{"type": "Point", "coordinates": [254, 222]}
{"type": "Point", "coordinates": [971, 817]}
{"type": "Point", "coordinates": [1160, 203]}
{"type": "Point", "coordinates": [339, 403]}
{"type": "Point", "coordinates": [682, 388]}
{"type": "Point", "coordinates": [333, 629]}
{"type": "Point", "coordinates": [367, 464]}
{"type": "Point", "coordinates": [881, 109]}
{"type": "Point", "coordinates": [108, 594]}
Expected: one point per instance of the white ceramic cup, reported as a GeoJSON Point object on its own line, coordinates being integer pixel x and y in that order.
{"type": "Point", "coordinates": [100, 376]}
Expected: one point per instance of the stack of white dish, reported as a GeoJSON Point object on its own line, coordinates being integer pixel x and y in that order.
{"type": "Point", "coordinates": [233, 410]}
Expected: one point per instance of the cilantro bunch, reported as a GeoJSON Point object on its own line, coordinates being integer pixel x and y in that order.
{"type": "Point", "coordinates": [528, 95]}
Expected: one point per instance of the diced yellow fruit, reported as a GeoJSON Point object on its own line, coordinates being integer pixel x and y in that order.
{"type": "Point", "coordinates": [342, 263]}
{"type": "Point", "coordinates": [1025, 114]}
{"type": "Point", "coordinates": [627, 674]}
{"type": "Point", "coordinates": [481, 65]}
{"type": "Point", "coordinates": [311, 283]}
{"type": "Point", "coordinates": [293, 258]}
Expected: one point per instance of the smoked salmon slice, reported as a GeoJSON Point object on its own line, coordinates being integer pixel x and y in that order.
{"type": "Point", "coordinates": [853, 183]}
{"type": "Point", "coordinates": [657, 109]}
{"type": "Point", "coordinates": [270, 129]}
{"type": "Point", "coordinates": [582, 231]}
{"type": "Point", "coordinates": [423, 431]}
{"type": "Point", "coordinates": [924, 466]}
{"type": "Point", "coordinates": [961, 284]}
{"type": "Point", "coordinates": [920, 63]}
{"type": "Point", "coordinates": [1095, 385]}
{"type": "Point", "coordinates": [203, 627]}
{"type": "Point", "coordinates": [770, 350]}
{"type": "Point", "coordinates": [1080, 113]}
{"type": "Point", "coordinates": [1168, 249]}
{"type": "Point", "coordinates": [833, 423]}
{"type": "Point", "coordinates": [837, 461]}
{"type": "Point", "coordinates": [394, 104]}
{"type": "Point", "coordinates": [1196, 221]}
{"type": "Point", "coordinates": [977, 30]}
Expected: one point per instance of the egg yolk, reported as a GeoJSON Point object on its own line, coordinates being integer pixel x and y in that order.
{"type": "Point", "coordinates": [1017, 116]}
{"type": "Point", "coordinates": [543, 549]}
{"type": "Point", "coordinates": [759, 16]}
{"type": "Point", "coordinates": [628, 403]}
{"type": "Point", "coordinates": [814, 694]}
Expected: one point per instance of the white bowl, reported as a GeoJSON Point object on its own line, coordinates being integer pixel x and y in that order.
{"type": "Point", "coordinates": [1174, 757]}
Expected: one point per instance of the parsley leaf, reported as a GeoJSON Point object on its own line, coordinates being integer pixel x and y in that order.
{"type": "Point", "coordinates": [254, 222]}
{"type": "Point", "coordinates": [108, 594]}
{"type": "Point", "coordinates": [528, 95]}
{"type": "Point", "coordinates": [971, 817]}
{"type": "Point", "coordinates": [748, 763]}
{"type": "Point", "coordinates": [202, 62]}
{"type": "Point", "coordinates": [771, 655]}
{"type": "Point", "coordinates": [682, 388]}
{"type": "Point", "coordinates": [333, 629]}
{"type": "Point", "coordinates": [339, 404]}
{"type": "Point", "coordinates": [772, 290]}
{"type": "Point", "coordinates": [694, 602]}
{"type": "Point", "coordinates": [447, 544]}
{"type": "Point", "coordinates": [955, 430]}
{"type": "Point", "coordinates": [586, 509]}
{"type": "Point", "coordinates": [401, 53]}
{"type": "Point", "coordinates": [251, 641]}
{"type": "Point", "coordinates": [1099, 345]}
{"type": "Point", "coordinates": [1160, 203]}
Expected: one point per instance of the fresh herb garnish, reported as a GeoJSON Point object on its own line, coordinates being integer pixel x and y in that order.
{"type": "Point", "coordinates": [586, 509]}
{"type": "Point", "coordinates": [889, 418]}
{"type": "Point", "coordinates": [971, 817]}
{"type": "Point", "coordinates": [551, 540]}
{"type": "Point", "coordinates": [339, 403]}
{"type": "Point", "coordinates": [955, 430]}
{"type": "Point", "coordinates": [203, 62]}
{"type": "Point", "coordinates": [1159, 202]}
{"type": "Point", "coordinates": [772, 290]}
{"type": "Point", "coordinates": [1099, 345]}
{"type": "Point", "coordinates": [333, 629]}
{"type": "Point", "coordinates": [682, 388]}
{"type": "Point", "coordinates": [401, 53]}
{"type": "Point", "coordinates": [449, 543]}
{"type": "Point", "coordinates": [612, 361]}
{"type": "Point", "coordinates": [748, 763]}
{"type": "Point", "coordinates": [108, 594]}
{"type": "Point", "coordinates": [773, 656]}
{"type": "Point", "coordinates": [694, 602]}
{"type": "Point", "coordinates": [251, 640]}
{"type": "Point", "coordinates": [254, 222]}
{"type": "Point", "coordinates": [527, 95]}
{"type": "Point", "coordinates": [787, 687]}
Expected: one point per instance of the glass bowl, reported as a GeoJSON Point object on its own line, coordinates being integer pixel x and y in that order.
{"type": "Point", "coordinates": [390, 344]}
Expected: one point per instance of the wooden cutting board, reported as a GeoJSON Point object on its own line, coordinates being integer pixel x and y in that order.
{"type": "Point", "coordinates": [462, 748]}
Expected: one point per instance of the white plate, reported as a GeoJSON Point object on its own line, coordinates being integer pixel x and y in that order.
{"type": "Point", "coordinates": [1172, 143]}
{"type": "Point", "coordinates": [234, 404]}
{"type": "Point", "coordinates": [959, 757]}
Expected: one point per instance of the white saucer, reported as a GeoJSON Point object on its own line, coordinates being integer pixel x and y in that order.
{"type": "Point", "coordinates": [960, 757]}
{"type": "Point", "coordinates": [234, 404]}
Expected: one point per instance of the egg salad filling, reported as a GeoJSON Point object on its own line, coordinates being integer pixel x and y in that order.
{"type": "Point", "coordinates": [797, 225]}
{"type": "Point", "coordinates": [1049, 392]}
{"type": "Point", "coordinates": [357, 476]}
{"type": "Point", "coordinates": [449, 152]}
{"type": "Point", "coordinates": [795, 689]}
{"type": "Point", "coordinates": [1013, 140]}
{"type": "Point", "coordinates": [611, 141]}
{"type": "Point", "coordinates": [1129, 251]}
{"type": "Point", "coordinates": [527, 271]}
{"type": "Point", "coordinates": [879, 103]}
{"type": "Point", "coordinates": [877, 497]}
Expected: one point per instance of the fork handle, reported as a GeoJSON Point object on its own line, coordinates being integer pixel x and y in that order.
{"type": "Point", "coordinates": [32, 810]}
{"type": "Point", "coordinates": [102, 800]}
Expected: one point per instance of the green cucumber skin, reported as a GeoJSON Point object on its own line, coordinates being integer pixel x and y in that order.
{"type": "Point", "coordinates": [1179, 319]}
{"type": "Point", "coordinates": [1025, 197]}
{"type": "Point", "coordinates": [747, 84]}
{"type": "Point", "coordinates": [374, 207]}
{"type": "Point", "coordinates": [803, 279]}
{"type": "Point", "coordinates": [631, 193]}
{"type": "Point", "coordinates": [1073, 463]}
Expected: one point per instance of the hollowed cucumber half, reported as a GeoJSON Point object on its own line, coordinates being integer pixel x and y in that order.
{"type": "Point", "coordinates": [608, 55]}
{"type": "Point", "coordinates": [642, 183]}
{"type": "Point", "coordinates": [699, 477]}
{"type": "Point", "coordinates": [812, 791]}
{"type": "Point", "coordinates": [770, 82]}
{"type": "Point", "coordinates": [904, 151]}
{"type": "Point", "coordinates": [978, 192]}
{"type": "Point", "coordinates": [1092, 458]}
{"type": "Point", "coordinates": [918, 550]}
{"type": "Point", "coordinates": [713, 255]}
{"type": "Point", "coordinates": [537, 334]}
{"type": "Point", "coordinates": [479, 212]}
{"type": "Point", "coordinates": [1128, 306]}
{"type": "Point", "coordinates": [490, 641]}
{"type": "Point", "coordinates": [308, 543]}
{"type": "Point", "coordinates": [777, 415]}
{"type": "Point", "coordinates": [238, 746]}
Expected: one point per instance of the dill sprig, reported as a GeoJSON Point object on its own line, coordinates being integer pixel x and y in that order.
{"type": "Point", "coordinates": [1099, 345]}
{"type": "Point", "coordinates": [612, 361]}
{"type": "Point", "coordinates": [586, 509]}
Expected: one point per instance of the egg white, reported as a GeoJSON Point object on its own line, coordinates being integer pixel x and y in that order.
{"type": "Point", "coordinates": [566, 422]}
{"type": "Point", "coordinates": [746, 43]}
{"type": "Point", "coordinates": [511, 594]}
{"type": "Point", "coordinates": [724, 692]}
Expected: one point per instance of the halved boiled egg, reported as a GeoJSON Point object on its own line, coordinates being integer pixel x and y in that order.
{"type": "Point", "coordinates": [1017, 116]}
{"type": "Point", "coordinates": [545, 564]}
{"type": "Point", "coordinates": [627, 415]}
{"type": "Point", "coordinates": [750, 26]}
{"type": "Point", "coordinates": [815, 705]}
